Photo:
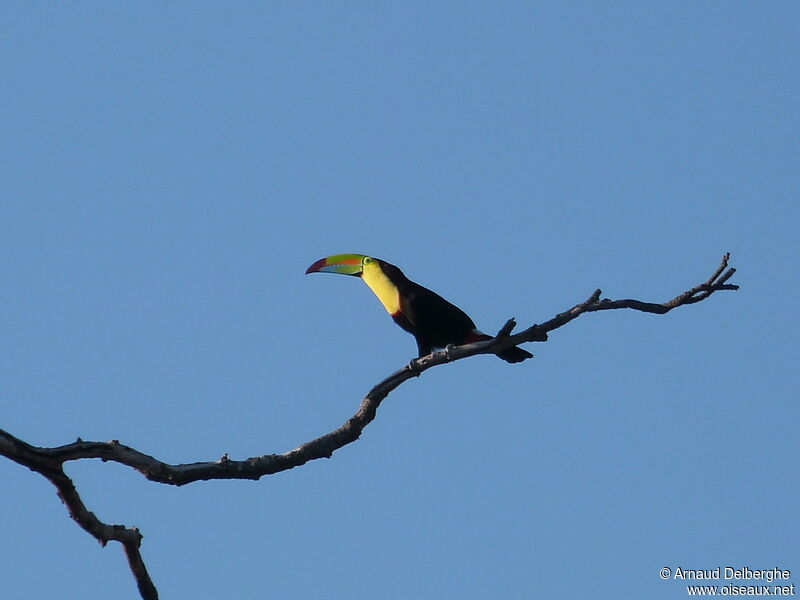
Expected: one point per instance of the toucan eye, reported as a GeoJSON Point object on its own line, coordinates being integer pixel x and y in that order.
{"type": "Point", "coordinates": [367, 260]}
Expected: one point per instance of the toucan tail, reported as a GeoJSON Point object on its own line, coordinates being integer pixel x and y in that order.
{"type": "Point", "coordinates": [514, 354]}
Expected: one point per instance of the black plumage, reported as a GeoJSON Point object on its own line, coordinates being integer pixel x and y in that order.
{"type": "Point", "coordinates": [433, 321]}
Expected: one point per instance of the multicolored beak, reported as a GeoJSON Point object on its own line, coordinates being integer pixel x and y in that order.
{"type": "Point", "coordinates": [343, 264]}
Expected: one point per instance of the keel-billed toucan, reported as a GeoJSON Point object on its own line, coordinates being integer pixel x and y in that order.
{"type": "Point", "coordinates": [432, 320]}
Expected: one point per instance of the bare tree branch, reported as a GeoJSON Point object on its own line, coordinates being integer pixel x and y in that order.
{"type": "Point", "coordinates": [130, 538]}
{"type": "Point", "coordinates": [49, 462]}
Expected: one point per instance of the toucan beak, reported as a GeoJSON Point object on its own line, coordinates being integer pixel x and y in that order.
{"type": "Point", "coordinates": [343, 264]}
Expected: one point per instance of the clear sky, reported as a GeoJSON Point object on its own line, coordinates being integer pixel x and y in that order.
{"type": "Point", "coordinates": [168, 172]}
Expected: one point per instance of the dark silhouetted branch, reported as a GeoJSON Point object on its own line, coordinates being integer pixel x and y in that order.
{"type": "Point", "coordinates": [38, 460]}
{"type": "Point", "coordinates": [49, 461]}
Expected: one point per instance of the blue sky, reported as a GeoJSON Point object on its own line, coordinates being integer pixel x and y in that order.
{"type": "Point", "coordinates": [169, 171]}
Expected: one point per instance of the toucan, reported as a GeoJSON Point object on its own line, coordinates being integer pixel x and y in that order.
{"type": "Point", "coordinates": [433, 321]}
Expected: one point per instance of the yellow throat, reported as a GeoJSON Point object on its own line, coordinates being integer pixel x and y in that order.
{"type": "Point", "coordinates": [380, 284]}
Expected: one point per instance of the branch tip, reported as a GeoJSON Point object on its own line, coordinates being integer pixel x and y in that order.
{"type": "Point", "coordinates": [506, 329]}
